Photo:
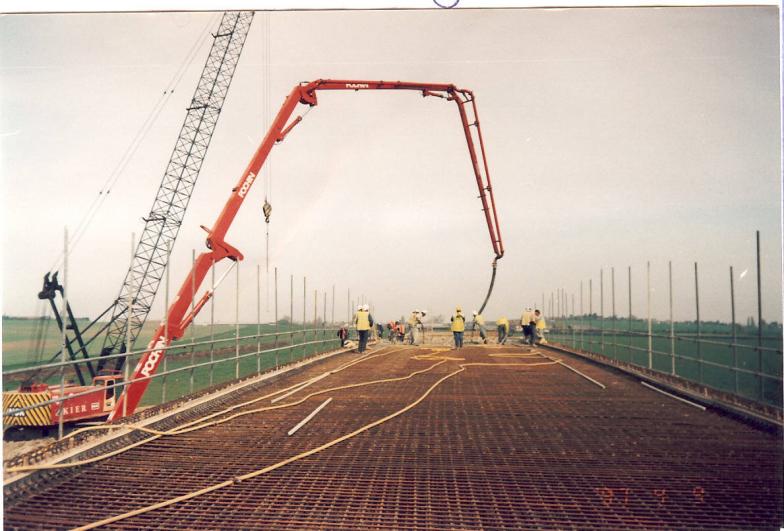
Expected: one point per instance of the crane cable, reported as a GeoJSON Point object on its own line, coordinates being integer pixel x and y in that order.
{"type": "Point", "coordinates": [267, 208]}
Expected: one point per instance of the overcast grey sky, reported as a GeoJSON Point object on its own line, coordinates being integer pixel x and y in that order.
{"type": "Point", "coordinates": [614, 136]}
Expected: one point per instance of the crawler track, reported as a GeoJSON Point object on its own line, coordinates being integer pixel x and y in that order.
{"type": "Point", "coordinates": [491, 447]}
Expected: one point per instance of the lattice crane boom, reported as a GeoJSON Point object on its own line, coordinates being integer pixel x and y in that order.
{"type": "Point", "coordinates": [163, 222]}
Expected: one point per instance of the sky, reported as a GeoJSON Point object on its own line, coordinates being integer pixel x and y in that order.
{"type": "Point", "coordinates": [614, 137]}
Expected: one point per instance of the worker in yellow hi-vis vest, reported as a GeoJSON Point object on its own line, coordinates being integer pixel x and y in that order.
{"type": "Point", "coordinates": [540, 327]}
{"type": "Point", "coordinates": [503, 329]}
{"type": "Point", "coordinates": [480, 322]}
{"type": "Point", "coordinates": [363, 321]}
{"type": "Point", "coordinates": [413, 328]}
{"type": "Point", "coordinates": [458, 327]}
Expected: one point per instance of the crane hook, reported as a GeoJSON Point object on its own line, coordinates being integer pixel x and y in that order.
{"type": "Point", "coordinates": [267, 209]}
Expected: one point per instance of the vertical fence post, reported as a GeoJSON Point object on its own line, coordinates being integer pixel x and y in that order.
{"type": "Point", "coordinates": [64, 313]}
{"type": "Point", "coordinates": [560, 304]}
{"type": "Point", "coordinates": [613, 329]}
{"type": "Point", "coordinates": [212, 323]}
{"type": "Point", "coordinates": [291, 319]}
{"type": "Point", "coordinates": [697, 303]}
{"type": "Point", "coordinates": [275, 345]}
{"type": "Point", "coordinates": [237, 325]}
{"type": "Point", "coordinates": [552, 305]}
{"type": "Point", "coordinates": [315, 317]}
{"type": "Point", "coordinates": [601, 309]}
{"type": "Point", "coordinates": [565, 305]}
{"type": "Point", "coordinates": [258, 318]}
{"type": "Point", "coordinates": [759, 320]}
{"type": "Point", "coordinates": [759, 301]}
{"type": "Point", "coordinates": [648, 299]}
{"type": "Point", "coordinates": [590, 313]}
{"type": "Point", "coordinates": [582, 315]}
{"type": "Point", "coordinates": [672, 325]}
{"type": "Point", "coordinates": [631, 355]}
{"type": "Point", "coordinates": [574, 332]}
{"type": "Point", "coordinates": [193, 322]}
{"type": "Point", "coordinates": [734, 333]}
{"type": "Point", "coordinates": [166, 320]}
{"type": "Point", "coordinates": [129, 317]}
{"type": "Point", "coordinates": [333, 304]}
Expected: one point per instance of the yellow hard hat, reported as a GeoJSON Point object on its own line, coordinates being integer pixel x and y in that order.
{"type": "Point", "coordinates": [458, 309]}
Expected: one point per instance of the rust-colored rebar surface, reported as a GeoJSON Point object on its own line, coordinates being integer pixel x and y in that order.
{"type": "Point", "coordinates": [499, 446]}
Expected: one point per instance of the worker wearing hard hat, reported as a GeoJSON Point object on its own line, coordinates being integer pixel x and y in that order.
{"type": "Point", "coordinates": [363, 322]}
{"type": "Point", "coordinates": [528, 322]}
{"type": "Point", "coordinates": [413, 328]}
{"type": "Point", "coordinates": [421, 327]}
{"type": "Point", "coordinates": [539, 327]}
{"type": "Point", "coordinates": [503, 329]}
{"type": "Point", "coordinates": [458, 327]}
{"type": "Point", "coordinates": [480, 322]}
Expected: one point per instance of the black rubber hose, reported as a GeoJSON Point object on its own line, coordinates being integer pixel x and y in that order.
{"type": "Point", "coordinates": [490, 289]}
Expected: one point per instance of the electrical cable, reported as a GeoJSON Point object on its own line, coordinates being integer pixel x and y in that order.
{"type": "Point", "coordinates": [179, 429]}
{"type": "Point", "coordinates": [275, 466]}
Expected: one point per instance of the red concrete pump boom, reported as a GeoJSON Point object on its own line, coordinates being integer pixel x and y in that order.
{"type": "Point", "coordinates": [305, 93]}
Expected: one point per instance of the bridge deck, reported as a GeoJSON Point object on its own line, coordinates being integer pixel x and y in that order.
{"type": "Point", "coordinates": [512, 442]}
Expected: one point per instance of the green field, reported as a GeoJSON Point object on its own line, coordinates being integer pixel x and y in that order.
{"type": "Point", "coordinates": [220, 357]}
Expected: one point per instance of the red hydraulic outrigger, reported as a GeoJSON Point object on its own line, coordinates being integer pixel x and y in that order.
{"type": "Point", "coordinates": [178, 316]}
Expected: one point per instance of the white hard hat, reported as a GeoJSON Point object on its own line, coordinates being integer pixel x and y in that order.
{"type": "Point", "coordinates": [423, 312]}
{"type": "Point", "coordinates": [359, 307]}
{"type": "Point", "coordinates": [475, 312]}
{"type": "Point", "coordinates": [365, 307]}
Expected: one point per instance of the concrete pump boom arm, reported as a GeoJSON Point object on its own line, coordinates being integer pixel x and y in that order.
{"type": "Point", "coordinates": [305, 93]}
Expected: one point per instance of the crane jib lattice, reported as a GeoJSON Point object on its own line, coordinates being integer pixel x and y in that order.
{"type": "Point", "coordinates": [166, 215]}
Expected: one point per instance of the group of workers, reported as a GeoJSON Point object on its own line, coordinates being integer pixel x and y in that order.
{"type": "Point", "coordinates": [532, 324]}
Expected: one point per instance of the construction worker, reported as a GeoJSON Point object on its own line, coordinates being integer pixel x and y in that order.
{"type": "Point", "coordinates": [392, 329]}
{"type": "Point", "coordinates": [527, 321]}
{"type": "Point", "coordinates": [343, 335]}
{"type": "Point", "coordinates": [401, 332]}
{"type": "Point", "coordinates": [363, 322]}
{"type": "Point", "coordinates": [480, 322]}
{"type": "Point", "coordinates": [421, 326]}
{"type": "Point", "coordinates": [539, 327]}
{"type": "Point", "coordinates": [458, 327]}
{"type": "Point", "coordinates": [503, 329]}
{"type": "Point", "coordinates": [413, 328]}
